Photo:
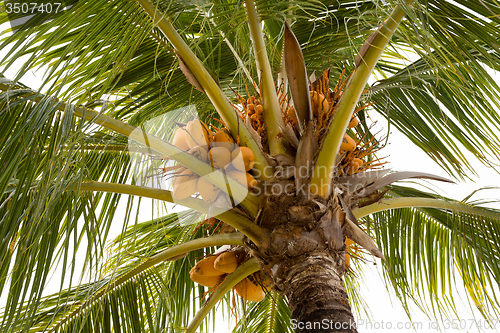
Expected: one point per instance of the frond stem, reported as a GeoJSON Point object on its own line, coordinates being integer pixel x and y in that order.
{"type": "Point", "coordinates": [365, 63]}
{"type": "Point", "coordinates": [272, 111]}
{"type": "Point", "coordinates": [231, 217]}
{"type": "Point", "coordinates": [408, 202]}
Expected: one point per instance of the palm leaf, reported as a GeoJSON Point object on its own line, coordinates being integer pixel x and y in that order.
{"type": "Point", "coordinates": [426, 248]}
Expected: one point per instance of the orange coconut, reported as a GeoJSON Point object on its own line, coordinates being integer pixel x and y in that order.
{"type": "Point", "coordinates": [198, 134]}
{"type": "Point", "coordinates": [208, 191]}
{"type": "Point", "coordinates": [319, 103]}
{"type": "Point", "coordinates": [249, 290]}
{"type": "Point", "coordinates": [220, 157]}
{"type": "Point", "coordinates": [184, 184]}
{"type": "Point", "coordinates": [180, 139]}
{"type": "Point", "coordinates": [353, 123]}
{"type": "Point", "coordinates": [354, 165]}
{"type": "Point", "coordinates": [205, 267]}
{"type": "Point", "coordinates": [348, 144]}
{"type": "Point", "coordinates": [243, 178]}
{"type": "Point", "coordinates": [204, 280]}
{"type": "Point", "coordinates": [243, 159]}
{"type": "Point", "coordinates": [200, 152]}
{"type": "Point", "coordinates": [224, 139]}
{"type": "Point", "coordinates": [227, 262]}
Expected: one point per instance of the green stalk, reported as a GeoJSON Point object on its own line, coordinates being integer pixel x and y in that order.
{"type": "Point", "coordinates": [272, 110]}
{"type": "Point", "coordinates": [214, 93]}
{"type": "Point", "coordinates": [246, 198]}
{"type": "Point", "coordinates": [324, 169]}
{"type": "Point", "coordinates": [170, 253]}
{"type": "Point", "coordinates": [231, 217]}
{"type": "Point", "coordinates": [394, 203]}
{"type": "Point", "coordinates": [249, 267]}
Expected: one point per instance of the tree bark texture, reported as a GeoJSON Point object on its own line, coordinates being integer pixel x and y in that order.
{"type": "Point", "coordinates": [317, 298]}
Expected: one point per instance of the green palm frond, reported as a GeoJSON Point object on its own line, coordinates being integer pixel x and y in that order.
{"type": "Point", "coordinates": [431, 251]}
{"type": "Point", "coordinates": [267, 316]}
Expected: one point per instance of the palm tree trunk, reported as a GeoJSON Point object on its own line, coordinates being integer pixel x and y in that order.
{"type": "Point", "coordinates": [317, 299]}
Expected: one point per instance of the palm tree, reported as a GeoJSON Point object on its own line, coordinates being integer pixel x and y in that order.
{"type": "Point", "coordinates": [117, 70]}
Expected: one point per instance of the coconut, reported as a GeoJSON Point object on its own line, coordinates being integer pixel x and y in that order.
{"type": "Point", "coordinates": [243, 159]}
{"type": "Point", "coordinates": [204, 280]}
{"type": "Point", "coordinates": [224, 139]}
{"type": "Point", "coordinates": [220, 157]}
{"type": "Point", "coordinates": [198, 134]}
{"type": "Point", "coordinates": [249, 290]}
{"type": "Point", "coordinates": [348, 144]}
{"type": "Point", "coordinates": [243, 178]}
{"type": "Point", "coordinates": [353, 123]}
{"type": "Point", "coordinates": [200, 152]}
{"type": "Point", "coordinates": [319, 103]}
{"type": "Point", "coordinates": [184, 184]}
{"type": "Point", "coordinates": [205, 267]}
{"type": "Point", "coordinates": [227, 262]}
{"type": "Point", "coordinates": [354, 165]}
{"type": "Point", "coordinates": [180, 139]}
{"type": "Point", "coordinates": [208, 191]}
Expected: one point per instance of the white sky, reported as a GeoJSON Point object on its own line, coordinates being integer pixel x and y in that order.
{"type": "Point", "coordinates": [402, 156]}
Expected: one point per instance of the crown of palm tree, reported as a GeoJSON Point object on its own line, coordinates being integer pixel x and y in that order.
{"type": "Point", "coordinates": [288, 80]}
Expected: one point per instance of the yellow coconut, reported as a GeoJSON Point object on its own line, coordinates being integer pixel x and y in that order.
{"type": "Point", "coordinates": [319, 103]}
{"type": "Point", "coordinates": [205, 267]}
{"type": "Point", "coordinates": [354, 165]}
{"type": "Point", "coordinates": [347, 259]}
{"type": "Point", "coordinates": [243, 178]}
{"type": "Point", "coordinates": [227, 262]}
{"type": "Point", "coordinates": [224, 139]}
{"type": "Point", "coordinates": [208, 191]}
{"type": "Point", "coordinates": [198, 134]}
{"type": "Point", "coordinates": [184, 184]}
{"type": "Point", "coordinates": [348, 144]}
{"type": "Point", "coordinates": [249, 290]}
{"type": "Point", "coordinates": [204, 280]}
{"type": "Point", "coordinates": [180, 139]}
{"type": "Point", "coordinates": [200, 152]}
{"type": "Point", "coordinates": [243, 159]}
{"type": "Point", "coordinates": [220, 157]}
{"type": "Point", "coordinates": [354, 122]}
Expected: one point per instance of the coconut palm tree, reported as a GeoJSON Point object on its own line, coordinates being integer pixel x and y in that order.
{"type": "Point", "coordinates": [282, 216]}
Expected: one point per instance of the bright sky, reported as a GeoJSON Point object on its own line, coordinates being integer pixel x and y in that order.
{"type": "Point", "coordinates": [403, 156]}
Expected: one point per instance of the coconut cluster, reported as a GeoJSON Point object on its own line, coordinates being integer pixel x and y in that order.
{"type": "Point", "coordinates": [212, 270]}
{"type": "Point", "coordinates": [220, 150]}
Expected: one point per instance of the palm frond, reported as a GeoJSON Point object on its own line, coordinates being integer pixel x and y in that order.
{"type": "Point", "coordinates": [427, 249]}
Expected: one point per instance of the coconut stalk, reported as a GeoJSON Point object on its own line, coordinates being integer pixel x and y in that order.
{"type": "Point", "coordinates": [272, 111]}
{"type": "Point", "coordinates": [231, 217]}
{"type": "Point", "coordinates": [210, 87]}
{"type": "Point", "coordinates": [366, 60]}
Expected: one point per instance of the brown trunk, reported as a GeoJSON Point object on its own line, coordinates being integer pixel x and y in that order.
{"type": "Point", "coordinates": [317, 298]}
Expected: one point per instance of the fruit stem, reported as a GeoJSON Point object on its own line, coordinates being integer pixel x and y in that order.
{"type": "Point", "coordinates": [366, 60]}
